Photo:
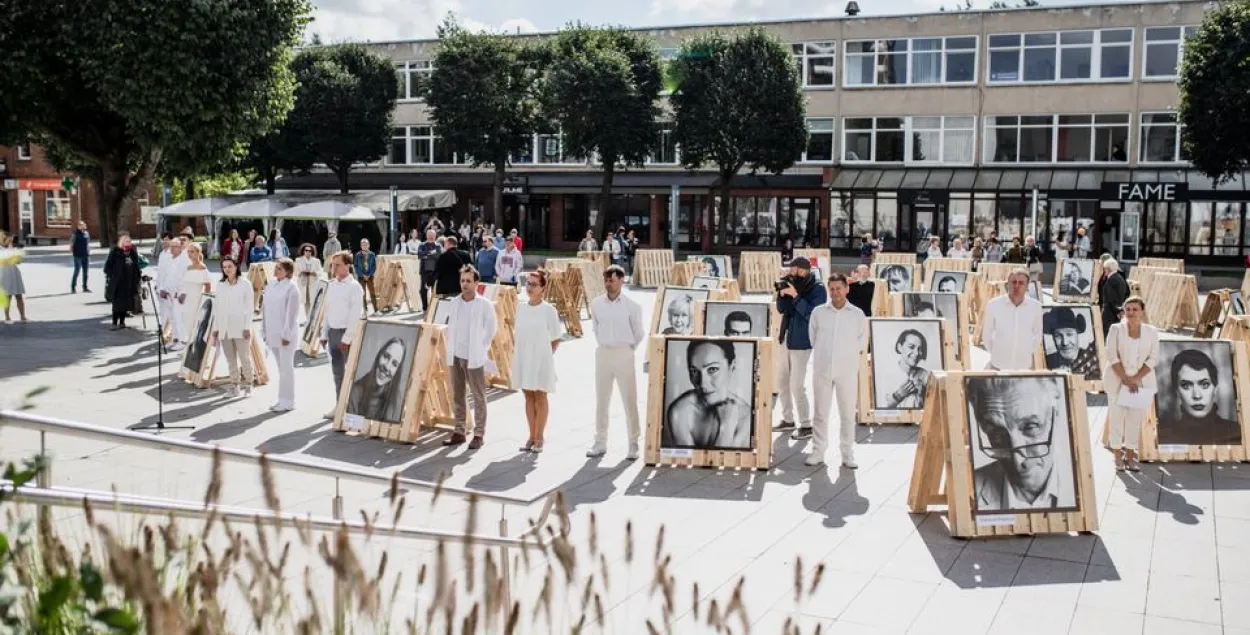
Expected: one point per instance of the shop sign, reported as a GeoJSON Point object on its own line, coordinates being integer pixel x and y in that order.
{"type": "Point", "coordinates": [924, 197]}
{"type": "Point", "coordinates": [1160, 192]}
{"type": "Point", "coordinates": [516, 185]}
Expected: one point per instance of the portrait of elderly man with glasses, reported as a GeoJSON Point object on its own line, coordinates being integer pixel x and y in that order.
{"type": "Point", "coordinates": [1022, 444]}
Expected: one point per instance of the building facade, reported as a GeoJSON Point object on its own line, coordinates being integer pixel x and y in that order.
{"type": "Point", "coordinates": [35, 205]}
{"type": "Point", "coordinates": [1010, 122]}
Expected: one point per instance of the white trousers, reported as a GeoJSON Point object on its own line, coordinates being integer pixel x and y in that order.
{"type": "Point", "coordinates": [615, 365]}
{"type": "Point", "coordinates": [844, 387]}
{"type": "Point", "coordinates": [171, 311]}
{"type": "Point", "coordinates": [1125, 427]}
{"type": "Point", "coordinates": [285, 356]}
{"type": "Point", "coordinates": [307, 289]}
{"type": "Point", "coordinates": [794, 385]}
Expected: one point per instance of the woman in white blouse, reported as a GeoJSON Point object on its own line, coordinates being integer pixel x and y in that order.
{"type": "Point", "coordinates": [538, 334]}
{"type": "Point", "coordinates": [195, 284]}
{"type": "Point", "coordinates": [307, 271]}
{"type": "Point", "coordinates": [957, 249]}
{"type": "Point", "coordinates": [1132, 351]}
{"type": "Point", "coordinates": [935, 247]}
{"type": "Point", "coordinates": [232, 324]}
{"type": "Point", "coordinates": [280, 329]}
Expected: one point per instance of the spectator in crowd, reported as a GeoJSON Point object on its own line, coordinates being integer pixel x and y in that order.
{"type": "Point", "coordinates": [487, 256]}
{"type": "Point", "coordinates": [259, 252]}
{"type": "Point", "coordinates": [509, 264]}
{"type": "Point", "coordinates": [588, 243]}
{"type": "Point", "coordinates": [866, 249]}
{"type": "Point", "coordinates": [12, 288]}
{"type": "Point", "coordinates": [957, 249]}
{"type": "Point", "coordinates": [1032, 258]}
{"type": "Point", "coordinates": [427, 254]}
{"type": "Point", "coordinates": [516, 238]}
{"type": "Point", "coordinates": [331, 247]}
{"type": "Point", "coordinates": [232, 326]}
{"type": "Point", "coordinates": [977, 253]}
{"type": "Point", "coordinates": [280, 329]}
{"type": "Point", "coordinates": [447, 267]}
{"type": "Point", "coordinates": [308, 269]}
{"type": "Point", "coordinates": [159, 246]}
{"type": "Point", "coordinates": [862, 289]}
{"type": "Point", "coordinates": [471, 328]}
{"type": "Point", "coordinates": [233, 247]}
{"type": "Point", "coordinates": [122, 271]}
{"type": "Point", "coordinates": [366, 265]}
{"type": "Point", "coordinates": [1113, 291]}
{"type": "Point", "coordinates": [277, 245]}
{"type": "Point", "coordinates": [80, 249]}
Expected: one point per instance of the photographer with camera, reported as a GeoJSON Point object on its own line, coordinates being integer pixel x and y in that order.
{"type": "Point", "coordinates": [798, 294]}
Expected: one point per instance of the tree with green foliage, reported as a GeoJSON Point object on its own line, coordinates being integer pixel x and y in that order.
{"type": "Point", "coordinates": [483, 99]}
{"type": "Point", "coordinates": [1214, 109]}
{"type": "Point", "coordinates": [122, 85]}
{"type": "Point", "coordinates": [738, 104]}
{"type": "Point", "coordinates": [601, 87]}
{"type": "Point", "coordinates": [343, 106]}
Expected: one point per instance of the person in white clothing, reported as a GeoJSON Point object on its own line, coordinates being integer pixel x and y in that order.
{"type": "Point", "coordinates": [170, 272]}
{"type": "Point", "coordinates": [344, 302]}
{"type": "Point", "coordinates": [509, 264]}
{"type": "Point", "coordinates": [195, 284]}
{"type": "Point", "coordinates": [307, 272]}
{"type": "Point", "coordinates": [1013, 325]}
{"type": "Point", "coordinates": [232, 325]}
{"type": "Point", "coordinates": [280, 329]}
{"type": "Point", "coordinates": [838, 332]}
{"type": "Point", "coordinates": [469, 332]}
{"type": "Point", "coordinates": [618, 330]}
{"type": "Point", "coordinates": [538, 332]}
{"type": "Point", "coordinates": [1132, 353]}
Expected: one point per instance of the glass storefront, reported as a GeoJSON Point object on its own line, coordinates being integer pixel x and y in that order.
{"type": "Point", "coordinates": [766, 221]}
{"type": "Point", "coordinates": [629, 211]}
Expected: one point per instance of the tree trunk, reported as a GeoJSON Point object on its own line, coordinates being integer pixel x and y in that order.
{"type": "Point", "coordinates": [501, 172]}
{"type": "Point", "coordinates": [110, 200]}
{"type": "Point", "coordinates": [271, 180]}
{"type": "Point", "coordinates": [722, 228]}
{"type": "Point", "coordinates": [108, 235]}
{"type": "Point", "coordinates": [605, 195]}
{"type": "Point", "coordinates": [188, 190]}
{"type": "Point", "coordinates": [342, 173]}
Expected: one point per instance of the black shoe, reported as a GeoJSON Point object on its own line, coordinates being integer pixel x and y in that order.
{"type": "Point", "coordinates": [784, 425]}
{"type": "Point", "coordinates": [86, 290]}
{"type": "Point", "coordinates": [454, 439]}
{"type": "Point", "coordinates": [804, 432]}
{"type": "Point", "coordinates": [73, 290]}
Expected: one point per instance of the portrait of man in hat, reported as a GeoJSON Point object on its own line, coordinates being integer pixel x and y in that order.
{"type": "Point", "coordinates": [1070, 345]}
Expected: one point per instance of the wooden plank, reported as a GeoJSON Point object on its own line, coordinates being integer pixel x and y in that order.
{"type": "Point", "coordinates": [757, 271]}
{"type": "Point", "coordinates": [894, 257]}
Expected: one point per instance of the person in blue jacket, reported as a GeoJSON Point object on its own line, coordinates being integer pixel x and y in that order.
{"type": "Point", "coordinates": [487, 256]}
{"type": "Point", "coordinates": [366, 264]}
{"type": "Point", "coordinates": [798, 295]}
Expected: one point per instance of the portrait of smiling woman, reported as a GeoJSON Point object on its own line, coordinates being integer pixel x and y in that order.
{"type": "Point", "coordinates": [382, 371]}
{"type": "Point", "coordinates": [904, 353]}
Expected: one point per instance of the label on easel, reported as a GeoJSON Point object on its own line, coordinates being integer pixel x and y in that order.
{"type": "Point", "coordinates": [354, 423]}
{"type": "Point", "coordinates": [676, 453]}
{"type": "Point", "coordinates": [1173, 449]}
{"type": "Point", "coordinates": [881, 414]}
{"type": "Point", "coordinates": [996, 520]}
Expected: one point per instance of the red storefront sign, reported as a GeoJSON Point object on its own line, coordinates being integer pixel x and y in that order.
{"type": "Point", "coordinates": [39, 184]}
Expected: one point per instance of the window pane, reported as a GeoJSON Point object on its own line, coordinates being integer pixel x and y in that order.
{"type": "Point", "coordinates": [1076, 63]}
{"type": "Point", "coordinates": [860, 70]}
{"type": "Point", "coordinates": [1005, 66]}
{"type": "Point", "coordinates": [1116, 35]}
{"type": "Point", "coordinates": [962, 43]}
{"type": "Point", "coordinates": [927, 68]}
{"type": "Point", "coordinates": [442, 152]}
{"type": "Point", "coordinates": [863, 216]}
{"type": "Point", "coordinates": [926, 123]}
{"type": "Point", "coordinates": [1004, 144]}
{"type": "Point", "coordinates": [398, 154]}
{"type": "Point", "coordinates": [858, 146]}
{"type": "Point", "coordinates": [887, 222]}
{"type": "Point", "coordinates": [1074, 143]}
{"type": "Point", "coordinates": [1200, 229]}
{"type": "Point", "coordinates": [961, 211]}
{"type": "Point", "coordinates": [1163, 33]}
{"type": "Point", "coordinates": [862, 46]}
{"type": "Point", "coordinates": [1227, 228]}
{"type": "Point", "coordinates": [893, 69]}
{"type": "Point", "coordinates": [957, 147]}
{"type": "Point", "coordinates": [1035, 144]}
{"type": "Point", "coordinates": [820, 71]}
{"type": "Point", "coordinates": [961, 67]}
{"type": "Point", "coordinates": [1039, 65]}
{"type": "Point", "coordinates": [1159, 143]}
{"type": "Point", "coordinates": [420, 151]}
{"type": "Point", "coordinates": [890, 145]}
{"type": "Point", "coordinates": [1177, 220]}
{"type": "Point", "coordinates": [982, 219]}
{"type": "Point", "coordinates": [1161, 60]}
{"type": "Point", "coordinates": [839, 222]}
{"type": "Point", "coordinates": [820, 146]}
{"type": "Point", "coordinates": [926, 145]}
{"type": "Point", "coordinates": [1010, 217]}
{"type": "Point", "coordinates": [1110, 142]}
{"type": "Point", "coordinates": [1076, 37]}
{"type": "Point", "coordinates": [1008, 39]}
{"type": "Point", "coordinates": [1115, 62]}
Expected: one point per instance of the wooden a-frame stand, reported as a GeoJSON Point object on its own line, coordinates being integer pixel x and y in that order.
{"type": "Point", "coordinates": [942, 471]}
{"type": "Point", "coordinates": [866, 411]}
{"type": "Point", "coordinates": [1172, 301]}
{"type": "Point", "coordinates": [757, 271]}
{"type": "Point", "coordinates": [1214, 314]}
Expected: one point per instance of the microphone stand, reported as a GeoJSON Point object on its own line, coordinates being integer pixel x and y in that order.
{"type": "Point", "coordinates": [160, 380]}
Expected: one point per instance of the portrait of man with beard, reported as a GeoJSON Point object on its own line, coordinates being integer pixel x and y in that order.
{"type": "Point", "coordinates": [381, 382]}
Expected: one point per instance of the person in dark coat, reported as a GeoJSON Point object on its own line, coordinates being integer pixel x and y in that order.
{"type": "Point", "coordinates": [447, 267]}
{"type": "Point", "coordinates": [123, 272]}
{"type": "Point", "coordinates": [1112, 292]}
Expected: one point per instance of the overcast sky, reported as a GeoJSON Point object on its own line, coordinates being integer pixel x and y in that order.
{"type": "Point", "coordinates": [360, 20]}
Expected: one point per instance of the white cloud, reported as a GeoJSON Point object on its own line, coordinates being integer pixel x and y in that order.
{"type": "Point", "coordinates": [383, 20]}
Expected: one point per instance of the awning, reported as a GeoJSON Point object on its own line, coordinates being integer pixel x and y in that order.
{"type": "Point", "coordinates": [330, 211]}
{"type": "Point", "coordinates": [195, 208]}
{"type": "Point", "coordinates": [255, 208]}
{"type": "Point", "coordinates": [1025, 178]}
{"type": "Point", "coordinates": [377, 200]}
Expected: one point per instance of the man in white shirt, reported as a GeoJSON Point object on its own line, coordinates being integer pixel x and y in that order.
{"type": "Point", "coordinates": [469, 332]}
{"type": "Point", "coordinates": [1013, 325]}
{"type": "Point", "coordinates": [344, 302]}
{"type": "Point", "coordinates": [618, 330]}
{"type": "Point", "coordinates": [170, 271]}
{"type": "Point", "coordinates": [838, 332]}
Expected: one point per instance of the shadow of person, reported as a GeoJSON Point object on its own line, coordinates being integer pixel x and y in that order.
{"type": "Point", "coordinates": [295, 440]}
{"type": "Point", "coordinates": [504, 475]}
{"type": "Point", "coordinates": [1153, 495]}
{"type": "Point", "coordinates": [592, 483]}
{"type": "Point", "coordinates": [837, 500]}
{"type": "Point", "coordinates": [227, 429]}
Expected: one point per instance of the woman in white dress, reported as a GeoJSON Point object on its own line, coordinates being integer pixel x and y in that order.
{"type": "Point", "coordinates": [307, 272]}
{"type": "Point", "coordinates": [1132, 352]}
{"type": "Point", "coordinates": [195, 284]}
{"type": "Point", "coordinates": [538, 334]}
{"type": "Point", "coordinates": [232, 326]}
{"type": "Point", "coordinates": [11, 278]}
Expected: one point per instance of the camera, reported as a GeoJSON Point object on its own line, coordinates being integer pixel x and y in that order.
{"type": "Point", "coordinates": [785, 281]}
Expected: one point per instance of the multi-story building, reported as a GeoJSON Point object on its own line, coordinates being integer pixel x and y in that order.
{"type": "Point", "coordinates": [35, 204]}
{"type": "Point", "coordinates": [970, 122]}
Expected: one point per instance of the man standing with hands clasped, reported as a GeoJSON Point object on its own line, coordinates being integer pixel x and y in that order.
{"type": "Point", "coordinates": [799, 296]}
{"type": "Point", "coordinates": [618, 329]}
{"type": "Point", "coordinates": [469, 334]}
{"type": "Point", "coordinates": [838, 332]}
{"type": "Point", "coordinates": [344, 306]}
{"type": "Point", "coordinates": [1013, 325]}
{"type": "Point", "coordinates": [169, 274]}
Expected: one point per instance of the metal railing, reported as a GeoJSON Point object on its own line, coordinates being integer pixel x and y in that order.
{"type": "Point", "coordinates": [45, 495]}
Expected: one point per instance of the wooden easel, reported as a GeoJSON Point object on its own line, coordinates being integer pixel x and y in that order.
{"type": "Point", "coordinates": [259, 274]}
{"type": "Point", "coordinates": [560, 264]}
{"type": "Point", "coordinates": [602, 257]}
{"type": "Point", "coordinates": [652, 267]}
{"type": "Point", "coordinates": [565, 291]}
{"type": "Point", "coordinates": [759, 458]}
{"type": "Point", "coordinates": [503, 347]}
{"type": "Point", "coordinates": [865, 405]}
{"type": "Point", "coordinates": [310, 336]}
{"type": "Point", "coordinates": [389, 282]}
{"type": "Point", "coordinates": [427, 401]}
{"type": "Point", "coordinates": [934, 265]}
{"type": "Point", "coordinates": [997, 270]}
{"type": "Point", "coordinates": [592, 282]}
{"type": "Point", "coordinates": [894, 258]}
{"type": "Point", "coordinates": [942, 470]}
{"type": "Point", "coordinates": [1214, 313]}
{"type": "Point", "coordinates": [1172, 301]}
{"type": "Point", "coordinates": [681, 274]}
{"type": "Point", "coordinates": [962, 358]}
{"type": "Point", "coordinates": [1144, 277]}
{"type": "Point", "coordinates": [1175, 265]}
{"type": "Point", "coordinates": [208, 370]}
{"type": "Point", "coordinates": [410, 275]}
{"type": "Point", "coordinates": [727, 271]}
{"type": "Point", "coordinates": [757, 271]}
{"type": "Point", "coordinates": [880, 298]}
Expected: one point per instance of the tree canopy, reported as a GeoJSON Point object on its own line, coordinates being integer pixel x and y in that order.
{"type": "Point", "coordinates": [482, 96]}
{"type": "Point", "coordinates": [1215, 92]}
{"type": "Point", "coordinates": [738, 104]}
{"type": "Point", "coordinates": [123, 85]}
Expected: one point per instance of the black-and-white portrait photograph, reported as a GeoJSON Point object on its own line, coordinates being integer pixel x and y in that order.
{"type": "Point", "coordinates": [1069, 342]}
{"type": "Point", "coordinates": [1197, 399]}
{"type": "Point", "coordinates": [949, 281]}
{"type": "Point", "coordinates": [380, 380]}
{"type": "Point", "coordinates": [1236, 304]}
{"type": "Point", "coordinates": [1020, 438]}
{"type": "Point", "coordinates": [904, 354]}
{"type": "Point", "coordinates": [1077, 278]}
{"type": "Point", "coordinates": [897, 277]}
{"type": "Point", "coordinates": [736, 319]}
{"type": "Point", "coordinates": [193, 360]}
{"type": "Point", "coordinates": [312, 326]}
{"type": "Point", "coordinates": [709, 394]}
{"type": "Point", "coordinates": [441, 310]}
{"type": "Point", "coordinates": [677, 310]}
{"type": "Point", "coordinates": [705, 282]}
{"type": "Point", "coordinates": [717, 266]}
{"type": "Point", "coordinates": [939, 305]}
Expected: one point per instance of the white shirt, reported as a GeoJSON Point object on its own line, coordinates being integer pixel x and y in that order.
{"type": "Point", "coordinates": [957, 253]}
{"type": "Point", "coordinates": [232, 309]}
{"type": "Point", "coordinates": [170, 272]}
{"type": "Point", "coordinates": [1012, 333]}
{"type": "Point", "coordinates": [307, 264]}
{"type": "Point", "coordinates": [472, 327]}
{"type": "Point", "coordinates": [617, 323]}
{"type": "Point", "coordinates": [837, 336]}
{"type": "Point", "coordinates": [345, 301]}
{"type": "Point", "coordinates": [280, 312]}
{"type": "Point", "coordinates": [935, 252]}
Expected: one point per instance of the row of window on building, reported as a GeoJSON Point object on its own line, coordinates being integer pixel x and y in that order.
{"type": "Point", "coordinates": [1091, 55]}
{"type": "Point", "coordinates": [950, 140]}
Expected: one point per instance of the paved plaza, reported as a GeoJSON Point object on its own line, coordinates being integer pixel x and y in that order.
{"type": "Point", "coordinates": [1172, 555]}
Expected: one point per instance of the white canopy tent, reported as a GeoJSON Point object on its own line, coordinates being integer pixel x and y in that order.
{"type": "Point", "coordinates": [196, 207]}
{"type": "Point", "coordinates": [332, 212]}
{"type": "Point", "coordinates": [264, 209]}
